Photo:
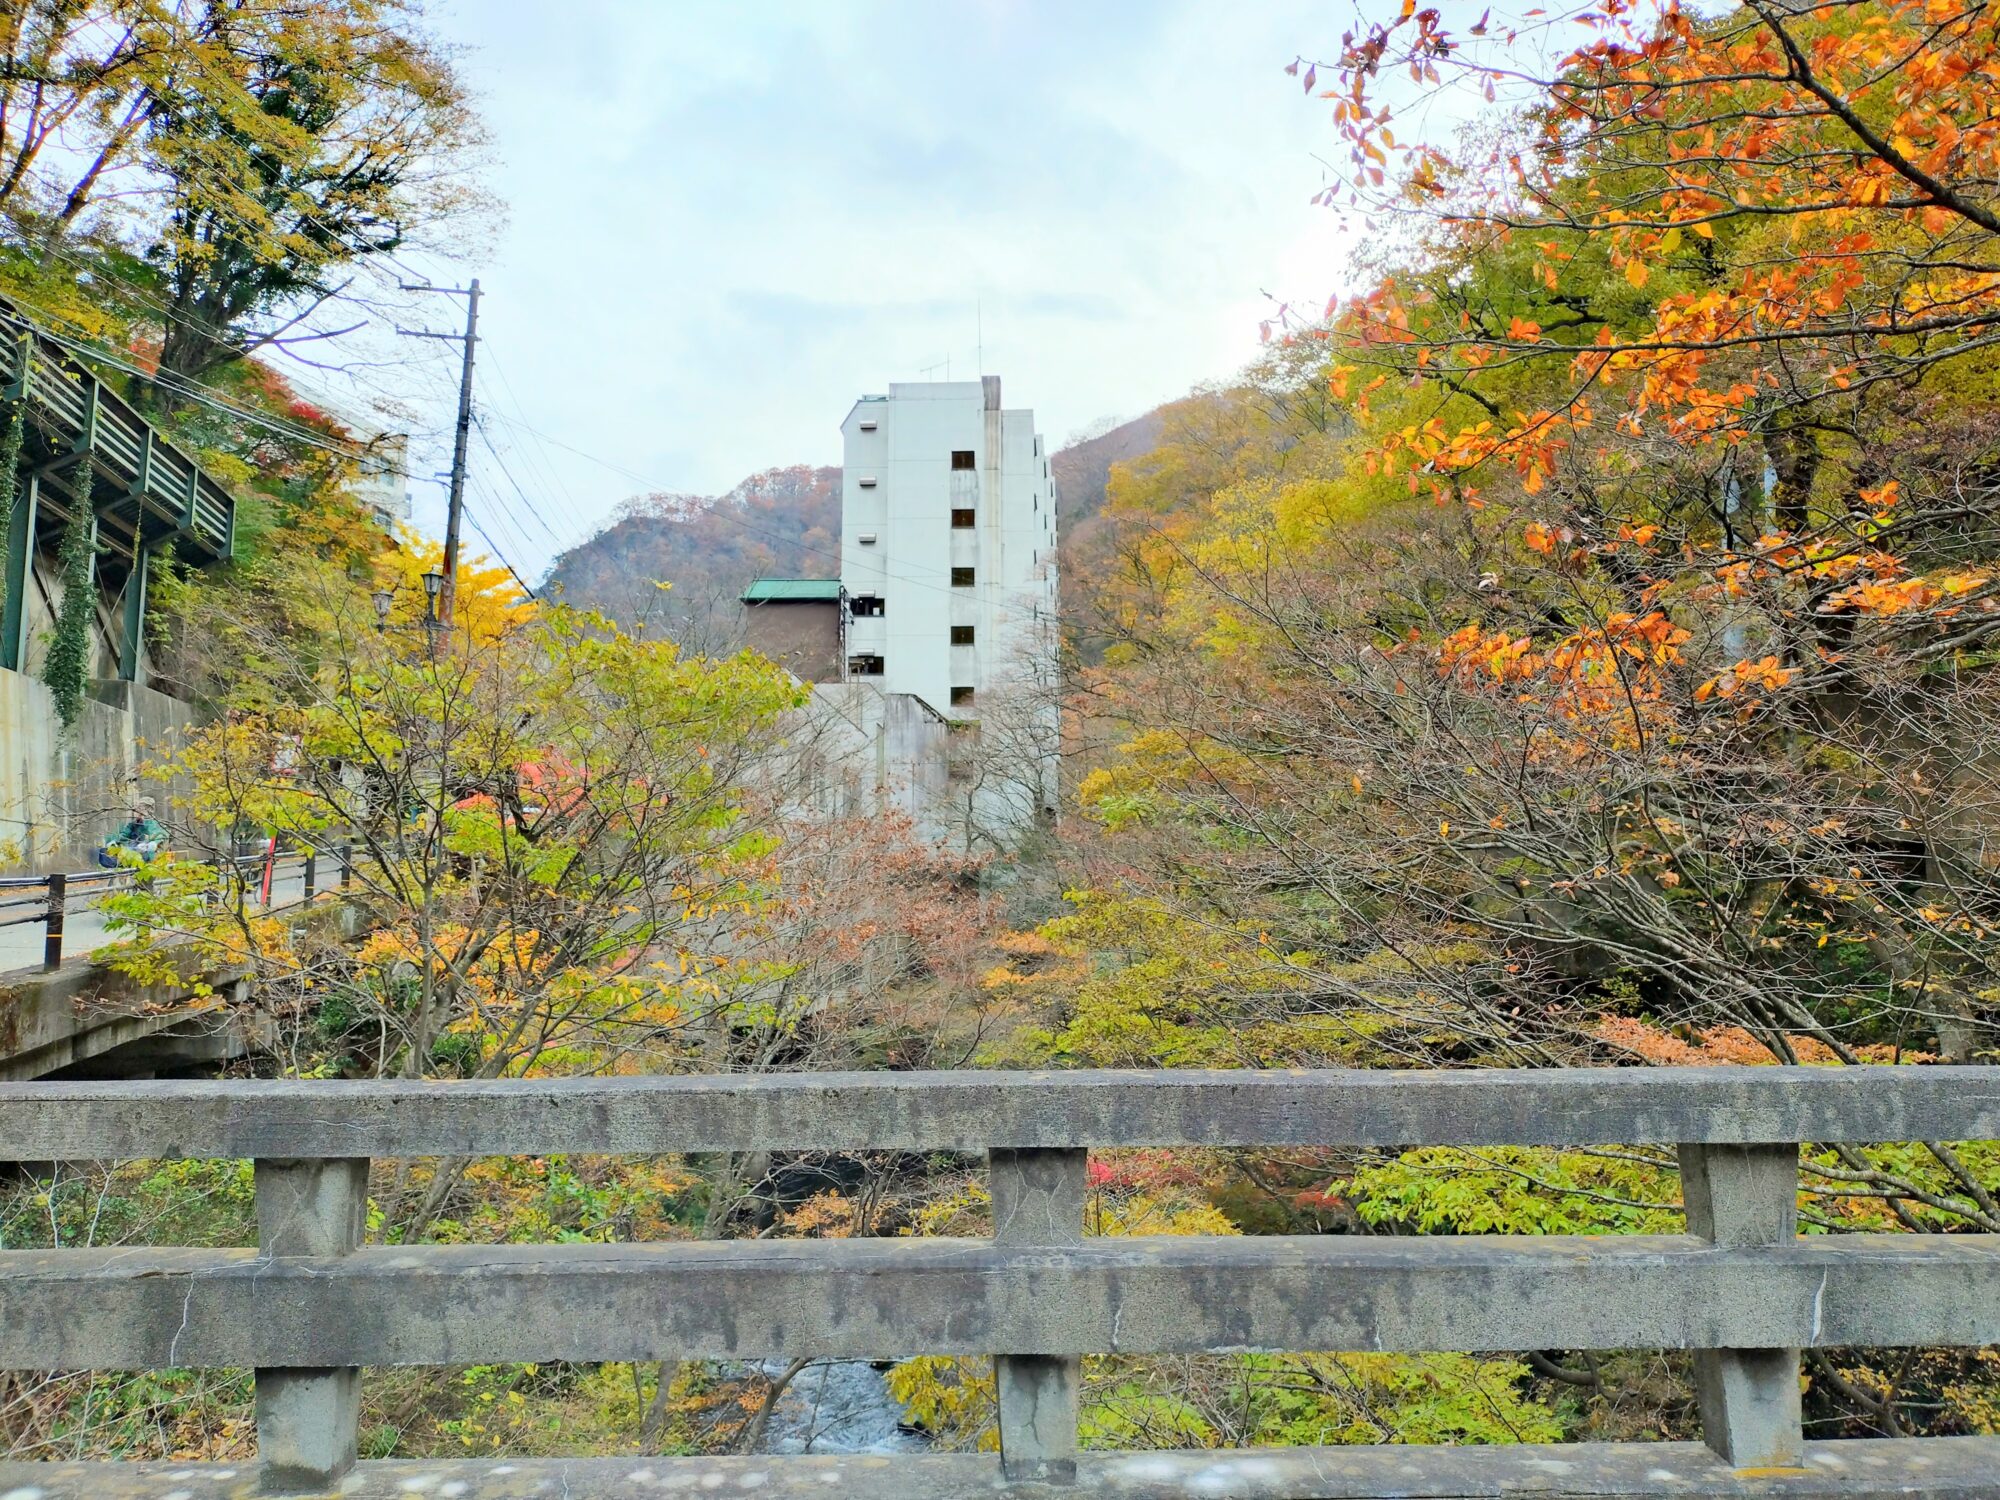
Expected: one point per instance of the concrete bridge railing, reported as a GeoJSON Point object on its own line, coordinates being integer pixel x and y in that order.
{"type": "Point", "coordinates": [60, 1010]}
{"type": "Point", "coordinates": [311, 1305]}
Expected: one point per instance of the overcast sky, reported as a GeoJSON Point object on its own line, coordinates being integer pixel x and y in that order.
{"type": "Point", "coordinates": [727, 221]}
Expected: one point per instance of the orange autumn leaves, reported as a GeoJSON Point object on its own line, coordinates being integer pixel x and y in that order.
{"type": "Point", "coordinates": [1728, 1045]}
{"type": "Point", "coordinates": [1618, 666]}
{"type": "Point", "coordinates": [1800, 199]}
{"type": "Point", "coordinates": [1606, 683]}
{"type": "Point", "coordinates": [1621, 670]}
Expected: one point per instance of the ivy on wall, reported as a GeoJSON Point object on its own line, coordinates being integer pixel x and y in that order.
{"type": "Point", "coordinates": [66, 669]}
{"type": "Point", "coordinates": [11, 431]}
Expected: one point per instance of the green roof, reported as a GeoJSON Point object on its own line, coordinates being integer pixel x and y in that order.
{"type": "Point", "coordinates": [792, 590]}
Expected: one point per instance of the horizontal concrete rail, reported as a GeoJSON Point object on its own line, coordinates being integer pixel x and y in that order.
{"type": "Point", "coordinates": [888, 1298]}
{"type": "Point", "coordinates": [311, 1305]}
{"type": "Point", "coordinates": [976, 1111]}
{"type": "Point", "coordinates": [1957, 1468]}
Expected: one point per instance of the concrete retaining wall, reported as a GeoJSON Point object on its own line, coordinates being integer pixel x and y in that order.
{"type": "Point", "coordinates": [62, 795]}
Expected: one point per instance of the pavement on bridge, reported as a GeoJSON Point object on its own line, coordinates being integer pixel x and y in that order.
{"type": "Point", "coordinates": [85, 931]}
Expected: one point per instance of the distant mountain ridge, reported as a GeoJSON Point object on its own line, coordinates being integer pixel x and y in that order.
{"type": "Point", "coordinates": [1083, 467]}
{"type": "Point", "coordinates": [781, 523]}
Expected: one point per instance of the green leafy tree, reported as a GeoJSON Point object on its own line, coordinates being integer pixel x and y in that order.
{"type": "Point", "coordinates": [543, 820]}
{"type": "Point", "coordinates": [225, 168]}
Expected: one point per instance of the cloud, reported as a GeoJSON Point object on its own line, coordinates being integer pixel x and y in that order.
{"type": "Point", "coordinates": [728, 221]}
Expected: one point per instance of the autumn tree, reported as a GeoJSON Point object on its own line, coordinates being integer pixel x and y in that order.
{"type": "Point", "coordinates": [1608, 677]}
{"type": "Point", "coordinates": [296, 148]}
{"type": "Point", "coordinates": [542, 820]}
{"type": "Point", "coordinates": [226, 170]}
{"type": "Point", "coordinates": [1710, 331]}
{"type": "Point", "coordinates": [1645, 693]}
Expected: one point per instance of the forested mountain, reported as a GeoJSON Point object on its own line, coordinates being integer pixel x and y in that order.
{"type": "Point", "coordinates": [1083, 466]}
{"type": "Point", "coordinates": [782, 523]}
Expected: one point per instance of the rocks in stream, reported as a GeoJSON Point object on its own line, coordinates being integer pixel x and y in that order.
{"type": "Point", "coordinates": [836, 1406]}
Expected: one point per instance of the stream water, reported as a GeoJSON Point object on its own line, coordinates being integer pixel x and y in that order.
{"type": "Point", "coordinates": [836, 1406]}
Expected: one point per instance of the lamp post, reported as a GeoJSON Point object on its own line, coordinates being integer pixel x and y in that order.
{"type": "Point", "coordinates": [433, 591]}
{"type": "Point", "coordinates": [385, 600]}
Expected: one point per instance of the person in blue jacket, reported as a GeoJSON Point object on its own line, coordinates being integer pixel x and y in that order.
{"type": "Point", "coordinates": [142, 836]}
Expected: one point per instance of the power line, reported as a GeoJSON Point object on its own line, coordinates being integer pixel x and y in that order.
{"type": "Point", "coordinates": [197, 393]}
{"type": "Point", "coordinates": [550, 472]}
{"type": "Point", "coordinates": [501, 463]}
{"type": "Point", "coordinates": [200, 391]}
{"type": "Point", "coordinates": [146, 297]}
{"type": "Point", "coordinates": [143, 294]}
{"type": "Point", "coordinates": [487, 537]}
{"type": "Point", "coordinates": [500, 513]}
{"type": "Point", "coordinates": [542, 475]}
{"type": "Point", "coordinates": [185, 385]}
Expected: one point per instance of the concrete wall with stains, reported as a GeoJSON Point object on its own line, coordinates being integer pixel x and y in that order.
{"type": "Point", "coordinates": [62, 793]}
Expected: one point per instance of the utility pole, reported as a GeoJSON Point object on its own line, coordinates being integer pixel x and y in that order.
{"type": "Point", "coordinates": [448, 595]}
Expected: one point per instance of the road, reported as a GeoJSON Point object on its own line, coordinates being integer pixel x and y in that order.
{"type": "Point", "coordinates": [84, 924]}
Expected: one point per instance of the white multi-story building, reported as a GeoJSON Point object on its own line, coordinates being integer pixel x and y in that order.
{"type": "Point", "coordinates": [947, 543]}
{"type": "Point", "coordinates": [948, 559]}
{"type": "Point", "coordinates": [383, 482]}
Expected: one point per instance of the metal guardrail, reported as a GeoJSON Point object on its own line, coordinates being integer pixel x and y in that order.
{"type": "Point", "coordinates": [312, 1304]}
{"type": "Point", "coordinates": [44, 900]}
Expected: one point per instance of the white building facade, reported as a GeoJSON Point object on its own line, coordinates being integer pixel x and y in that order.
{"type": "Point", "coordinates": [383, 483]}
{"type": "Point", "coordinates": [948, 558]}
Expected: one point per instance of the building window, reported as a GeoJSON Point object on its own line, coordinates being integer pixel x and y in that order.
{"type": "Point", "coordinates": [864, 666]}
{"type": "Point", "coordinates": [961, 635]}
{"type": "Point", "coordinates": [868, 606]}
{"type": "Point", "coordinates": [867, 539]}
{"type": "Point", "coordinates": [961, 458]}
{"type": "Point", "coordinates": [961, 695]}
{"type": "Point", "coordinates": [961, 578]}
{"type": "Point", "coordinates": [961, 518]}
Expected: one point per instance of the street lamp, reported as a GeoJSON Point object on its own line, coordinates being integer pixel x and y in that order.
{"type": "Point", "coordinates": [433, 586]}
{"type": "Point", "coordinates": [383, 599]}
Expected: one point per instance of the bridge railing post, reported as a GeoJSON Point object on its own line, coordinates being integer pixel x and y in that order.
{"type": "Point", "coordinates": [309, 1420]}
{"type": "Point", "coordinates": [52, 929]}
{"type": "Point", "coordinates": [1739, 1197]}
{"type": "Point", "coordinates": [1038, 1199]}
{"type": "Point", "coordinates": [312, 872]}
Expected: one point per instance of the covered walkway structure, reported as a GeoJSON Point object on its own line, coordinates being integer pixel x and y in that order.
{"type": "Point", "coordinates": [145, 494]}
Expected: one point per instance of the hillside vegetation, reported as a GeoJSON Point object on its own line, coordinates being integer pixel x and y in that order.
{"type": "Point", "coordinates": [1577, 647]}
{"type": "Point", "coordinates": [672, 566]}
